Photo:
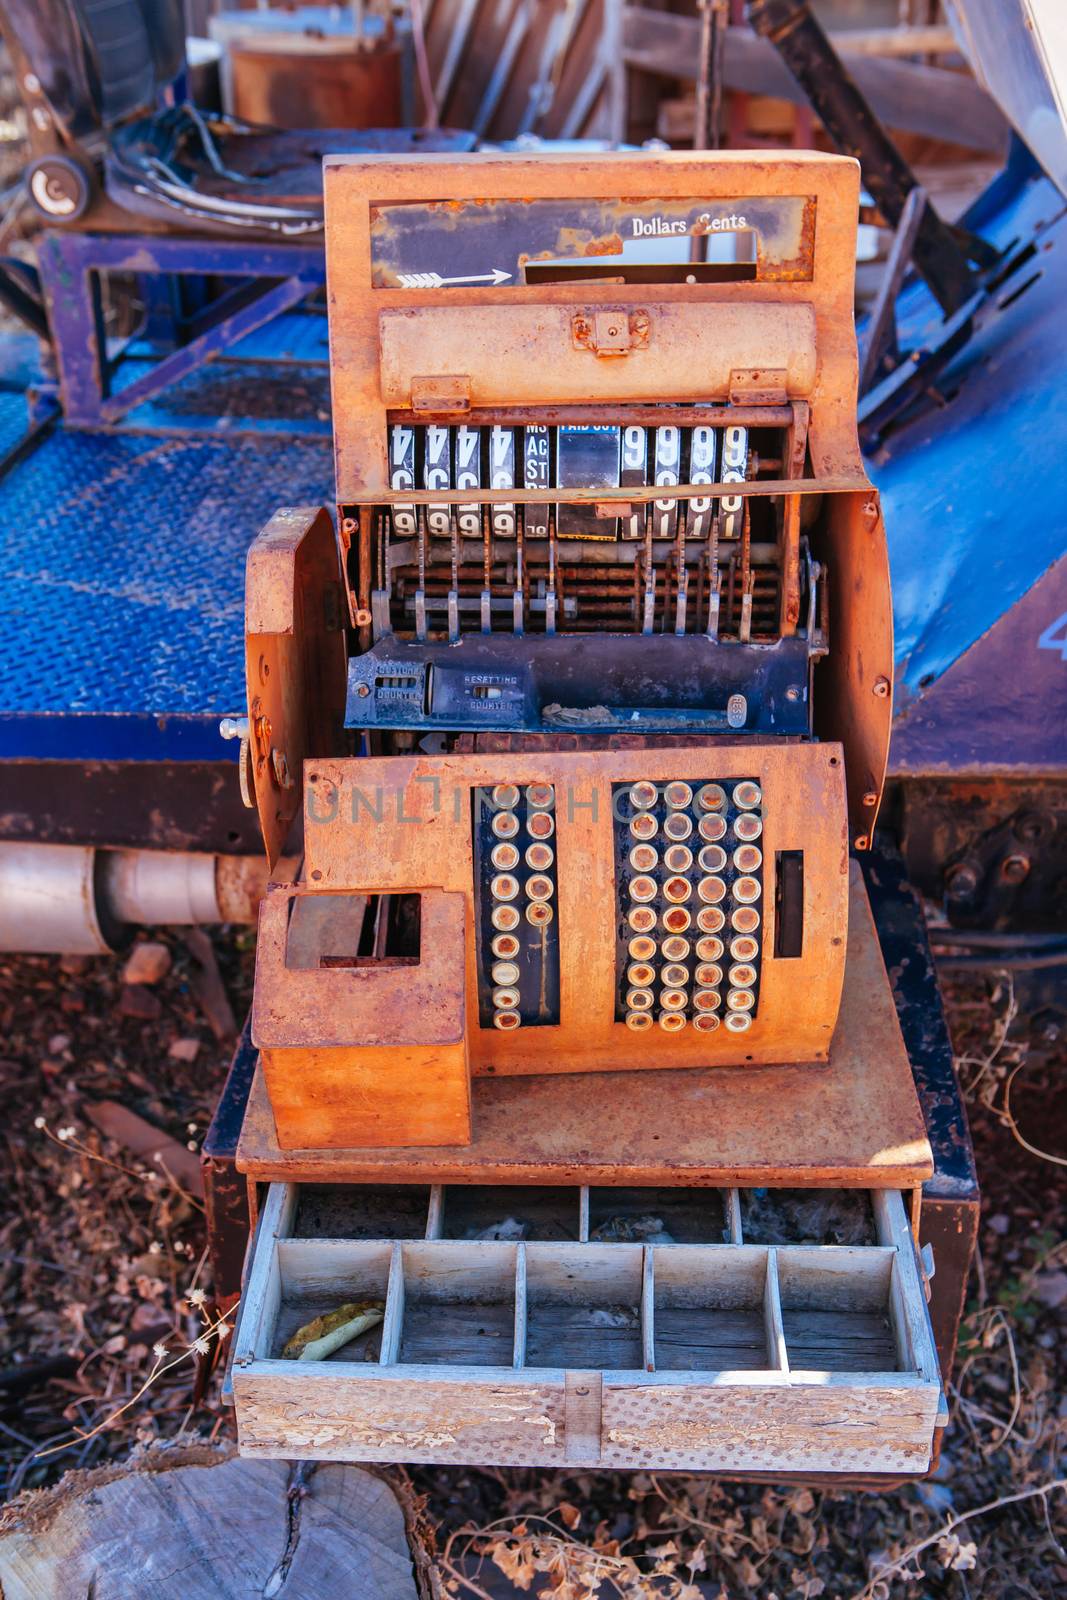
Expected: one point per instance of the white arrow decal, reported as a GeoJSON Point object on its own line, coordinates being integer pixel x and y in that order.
{"type": "Point", "coordinates": [434, 280]}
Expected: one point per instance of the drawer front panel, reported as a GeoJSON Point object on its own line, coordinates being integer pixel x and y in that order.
{"type": "Point", "coordinates": [414, 1414]}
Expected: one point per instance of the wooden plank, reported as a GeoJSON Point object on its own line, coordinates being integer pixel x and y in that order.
{"type": "Point", "coordinates": [911, 1316]}
{"type": "Point", "coordinates": [837, 1277]}
{"type": "Point", "coordinates": [334, 1270]}
{"type": "Point", "coordinates": [917, 99]}
{"type": "Point", "coordinates": [743, 1421]}
{"type": "Point", "coordinates": [262, 1293]}
{"type": "Point", "coordinates": [855, 1123]}
{"type": "Point", "coordinates": [340, 1412]}
{"type": "Point", "coordinates": [779, 1426]}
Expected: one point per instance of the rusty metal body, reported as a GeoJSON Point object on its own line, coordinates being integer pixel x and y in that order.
{"type": "Point", "coordinates": [608, 553]}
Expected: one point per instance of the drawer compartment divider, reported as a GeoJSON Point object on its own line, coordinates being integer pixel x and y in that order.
{"type": "Point", "coordinates": [519, 1352]}
{"type": "Point", "coordinates": [648, 1309]}
{"type": "Point", "coordinates": [777, 1354]}
{"type": "Point", "coordinates": [393, 1323]}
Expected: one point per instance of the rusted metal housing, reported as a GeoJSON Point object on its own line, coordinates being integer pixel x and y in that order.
{"type": "Point", "coordinates": [486, 301]}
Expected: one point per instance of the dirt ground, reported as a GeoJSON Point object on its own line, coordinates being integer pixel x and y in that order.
{"type": "Point", "coordinates": [102, 1272]}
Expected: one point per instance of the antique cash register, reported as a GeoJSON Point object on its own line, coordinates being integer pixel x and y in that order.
{"type": "Point", "coordinates": [585, 702]}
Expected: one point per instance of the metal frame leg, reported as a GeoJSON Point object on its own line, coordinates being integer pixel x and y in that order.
{"type": "Point", "coordinates": [71, 265]}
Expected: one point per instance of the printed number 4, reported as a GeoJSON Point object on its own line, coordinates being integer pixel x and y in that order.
{"type": "Point", "coordinates": [1055, 637]}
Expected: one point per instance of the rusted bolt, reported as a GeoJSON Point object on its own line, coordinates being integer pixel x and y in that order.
{"type": "Point", "coordinates": [961, 881]}
{"type": "Point", "coordinates": [348, 524]}
{"type": "Point", "coordinates": [793, 692]}
{"type": "Point", "coordinates": [363, 690]}
{"type": "Point", "coordinates": [862, 841]}
{"type": "Point", "coordinates": [281, 769]}
{"type": "Point", "coordinates": [881, 688]}
{"type": "Point", "coordinates": [870, 798]}
{"type": "Point", "coordinates": [1013, 869]}
{"type": "Point", "coordinates": [363, 618]}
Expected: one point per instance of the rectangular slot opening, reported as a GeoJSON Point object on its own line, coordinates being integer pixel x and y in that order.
{"type": "Point", "coordinates": [318, 1278]}
{"type": "Point", "coordinates": [511, 1213]}
{"type": "Point", "coordinates": [679, 257]}
{"type": "Point", "coordinates": [323, 927]}
{"type": "Point", "coordinates": [709, 1309]}
{"type": "Point", "coordinates": [657, 1216]}
{"type": "Point", "coordinates": [331, 932]}
{"type": "Point", "coordinates": [459, 1305]}
{"type": "Point", "coordinates": [836, 1310]}
{"type": "Point", "coordinates": [788, 905]}
{"type": "Point", "coordinates": [583, 1306]}
{"type": "Point", "coordinates": [807, 1216]}
{"type": "Point", "coordinates": [358, 1211]}
{"type": "Point", "coordinates": [643, 272]}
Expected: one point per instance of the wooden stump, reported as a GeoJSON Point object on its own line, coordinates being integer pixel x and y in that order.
{"type": "Point", "coordinates": [199, 1524]}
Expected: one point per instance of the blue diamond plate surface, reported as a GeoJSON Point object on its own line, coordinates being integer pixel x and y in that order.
{"type": "Point", "coordinates": [14, 420]}
{"type": "Point", "coordinates": [235, 395]}
{"type": "Point", "coordinates": [121, 607]}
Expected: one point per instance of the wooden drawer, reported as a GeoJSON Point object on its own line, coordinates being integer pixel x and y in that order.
{"type": "Point", "coordinates": [703, 1330]}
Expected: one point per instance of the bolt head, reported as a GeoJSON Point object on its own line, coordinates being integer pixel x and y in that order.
{"type": "Point", "coordinates": [961, 881]}
{"type": "Point", "coordinates": [1015, 868]}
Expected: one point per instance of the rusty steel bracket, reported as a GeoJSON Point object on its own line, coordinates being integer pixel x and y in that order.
{"type": "Point", "coordinates": [610, 331]}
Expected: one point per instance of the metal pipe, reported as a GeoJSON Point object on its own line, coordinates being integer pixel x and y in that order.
{"type": "Point", "coordinates": [68, 899]}
{"type": "Point", "coordinates": [160, 887]}
{"type": "Point", "coordinates": [48, 900]}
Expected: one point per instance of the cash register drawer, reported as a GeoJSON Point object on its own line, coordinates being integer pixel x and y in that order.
{"type": "Point", "coordinates": [772, 1331]}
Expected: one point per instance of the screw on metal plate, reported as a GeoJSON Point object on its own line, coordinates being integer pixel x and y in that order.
{"type": "Point", "coordinates": [736, 711]}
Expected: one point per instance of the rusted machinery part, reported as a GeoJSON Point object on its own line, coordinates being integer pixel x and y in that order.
{"type": "Point", "coordinates": [75, 900]}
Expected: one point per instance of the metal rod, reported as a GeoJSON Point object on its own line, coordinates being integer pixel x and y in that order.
{"type": "Point", "coordinates": [745, 416]}
{"type": "Point", "coordinates": [420, 593]}
{"type": "Point", "coordinates": [714, 21]}
{"type": "Point", "coordinates": [881, 325]}
{"type": "Point", "coordinates": [853, 483]}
